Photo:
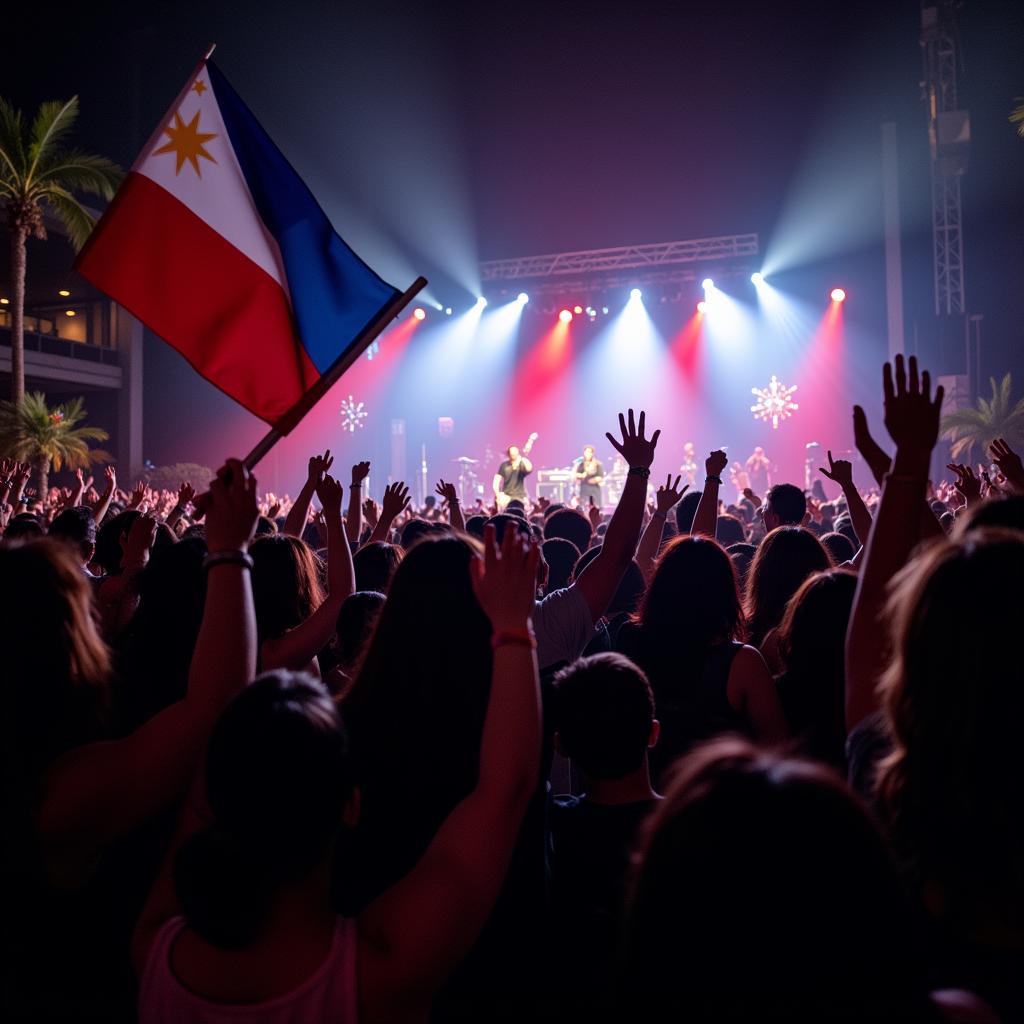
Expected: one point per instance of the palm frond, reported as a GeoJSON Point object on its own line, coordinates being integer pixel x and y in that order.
{"type": "Point", "coordinates": [1017, 118]}
{"type": "Point", "coordinates": [33, 431]}
{"type": "Point", "coordinates": [52, 122]}
{"type": "Point", "coordinates": [73, 215]}
{"type": "Point", "coordinates": [82, 172]}
{"type": "Point", "coordinates": [962, 419]}
{"type": "Point", "coordinates": [12, 142]}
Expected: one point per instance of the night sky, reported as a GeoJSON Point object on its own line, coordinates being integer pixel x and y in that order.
{"type": "Point", "coordinates": [436, 135]}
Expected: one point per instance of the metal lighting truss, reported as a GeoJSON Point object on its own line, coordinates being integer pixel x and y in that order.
{"type": "Point", "coordinates": [658, 257]}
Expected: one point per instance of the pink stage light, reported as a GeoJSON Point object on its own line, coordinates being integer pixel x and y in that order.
{"type": "Point", "coordinates": [420, 313]}
{"type": "Point", "coordinates": [565, 316]}
{"type": "Point", "coordinates": [701, 306]}
{"type": "Point", "coordinates": [838, 295]}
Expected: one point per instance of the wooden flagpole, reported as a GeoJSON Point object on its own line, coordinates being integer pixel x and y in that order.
{"type": "Point", "coordinates": [290, 420]}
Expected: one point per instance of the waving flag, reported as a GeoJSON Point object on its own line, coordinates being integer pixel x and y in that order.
{"type": "Point", "coordinates": [216, 244]}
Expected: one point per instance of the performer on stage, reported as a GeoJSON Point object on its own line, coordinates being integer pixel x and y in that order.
{"type": "Point", "coordinates": [590, 475]}
{"type": "Point", "coordinates": [739, 478]}
{"type": "Point", "coordinates": [510, 481]}
{"type": "Point", "coordinates": [759, 471]}
{"type": "Point", "coordinates": [688, 469]}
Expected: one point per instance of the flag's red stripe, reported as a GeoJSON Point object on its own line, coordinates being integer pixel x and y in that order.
{"type": "Point", "coordinates": [223, 313]}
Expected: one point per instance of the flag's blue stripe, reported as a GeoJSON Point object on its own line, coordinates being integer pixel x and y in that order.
{"type": "Point", "coordinates": [334, 293]}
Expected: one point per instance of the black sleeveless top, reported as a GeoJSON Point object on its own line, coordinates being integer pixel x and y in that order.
{"type": "Point", "coordinates": [691, 699]}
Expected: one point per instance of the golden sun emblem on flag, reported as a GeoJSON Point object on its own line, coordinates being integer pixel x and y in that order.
{"type": "Point", "coordinates": [187, 142]}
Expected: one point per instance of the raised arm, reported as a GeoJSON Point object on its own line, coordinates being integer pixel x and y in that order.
{"type": "Point", "coordinates": [354, 518]}
{"type": "Point", "coordinates": [396, 501]}
{"type": "Point", "coordinates": [912, 419]}
{"type": "Point", "coordinates": [450, 494]}
{"type": "Point", "coordinates": [600, 579]}
{"type": "Point", "coordinates": [1009, 463]}
{"type": "Point", "coordinates": [295, 521]}
{"type": "Point", "coordinates": [100, 509]}
{"type": "Point", "coordinates": [966, 483]}
{"type": "Point", "coordinates": [186, 492]}
{"type": "Point", "coordinates": [299, 646]}
{"type": "Point", "coordinates": [81, 486]}
{"type": "Point", "coordinates": [705, 519]}
{"type": "Point", "coordinates": [412, 936]}
{"type": "Point", "coordinates": [665, 500]}
{"type": "Point", "coordinates": [840, 471]}
{"type": "Point", "coordinates": [101, 791]}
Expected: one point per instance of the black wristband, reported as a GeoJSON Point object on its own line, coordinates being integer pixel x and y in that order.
{"type": "Point", "coordinates": [643, 471]}
{"type": "Point", "coordinates": [228, 558]}
{"type": "Point", "coordinates": [713, 479]}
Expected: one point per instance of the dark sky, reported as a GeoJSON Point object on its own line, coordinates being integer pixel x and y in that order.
{"type": "Point", "coordinates": [439, 134]}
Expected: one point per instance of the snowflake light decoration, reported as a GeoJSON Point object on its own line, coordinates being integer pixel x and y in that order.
{"type": "Point", "coordinates": [352, 414]}
{"type": "Point", "coordinates": [774, 402]}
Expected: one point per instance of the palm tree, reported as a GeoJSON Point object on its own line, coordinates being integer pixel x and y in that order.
{"type": "Point", "coordinates": [39, 172]}
{"type": "Point", "coordinates": [995, 417]}
{"type": "Point", "coordinates": [1017, 118]}
{"type": "Point", "coordinates": [44, 437]}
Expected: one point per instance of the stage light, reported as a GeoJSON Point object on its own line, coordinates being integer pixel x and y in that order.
{"type": "Point", "coordinates": [447, 310]}
{"type": "Point", "coordinates": [838, 295]}
{"type": "Point", "coordinates": [5, 302]}
{"type": "Point", "coordinates": [577, 309]}
{"type": "Point", "coordinates": [707, 284]}
{"type": "Point", "coordinates": [64, 293]}
{"type": "Point", "coordinates": [757, 278]}
{"type": "Point", "coordinates": [701, 306]}
{"type": "Point", "coordinates": [565, 316]}
{"type": "Point", "coordinates": [635, 293]}
{"type": "Point", "coordinates": [604, 310]}
{"type": "Point", "coordinates": [438, 306]}
{"type": "Point", "coordinates": [523, 298]}
{"type": "Point", "coordinates": [70, 312]}
{"type": "Point", "coordinates": [420, 313]}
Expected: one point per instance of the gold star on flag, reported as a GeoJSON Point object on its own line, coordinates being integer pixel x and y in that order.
{"type": "Point", "coordinates": [199, 87]}
{"type": "Point", "coordinates": [187, 143]}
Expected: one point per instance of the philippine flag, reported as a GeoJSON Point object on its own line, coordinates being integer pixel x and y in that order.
{"type": "Point", "coordinates": [215, 243]}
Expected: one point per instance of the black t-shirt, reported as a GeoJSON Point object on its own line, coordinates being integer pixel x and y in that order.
{"type": "Point", "coordinates": [513, 480]}
{"type": "Point", "coordinates": [591, 847]}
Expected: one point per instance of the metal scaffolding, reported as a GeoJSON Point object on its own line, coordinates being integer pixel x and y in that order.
{"type": "Point", "coordinates": [653, 257]}
{"type": "Point", "coordinates": [949, 134]}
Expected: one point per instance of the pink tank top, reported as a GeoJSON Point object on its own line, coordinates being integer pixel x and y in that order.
{"type": "Point", "coordinates": [329, 994]}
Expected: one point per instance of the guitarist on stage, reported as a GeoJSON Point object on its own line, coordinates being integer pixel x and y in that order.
{"type": "Point", "coordinates": [510, 480]}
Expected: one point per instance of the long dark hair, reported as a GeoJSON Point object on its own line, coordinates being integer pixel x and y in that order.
{"type": "Point", "coordinates": [278, 779]}
{"type": "Point", "coordinates": [953, 789]}
{"type": "Point", "coordinates": [418, 703]}
{"type": "Point", "coordinates": [784, 559]}
{"type": "Point", "coordinates": [762, 889]}
{"type": "Point", "coordinates": [286, 586]}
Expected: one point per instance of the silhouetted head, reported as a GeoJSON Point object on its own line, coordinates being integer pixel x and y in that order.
{"type": "Point", "coordinates": [375, 564]}
{"type": "Point", "coordinates": [56, 665]}
{"type": "Point", "coordinates": [742, 555]}
{"type": "Point", "coordinates": [838, 546]}
{"type": "Point", "coordinates": [1006, 513]}
{"type": "Point", "coordinates": [810, 925]}
{"type": "Point", "coordinates": [954, 697]}
{"type": "Point", "coordinates": [784, 559]}
{"type": "Point", "coordinates": [729, 530]}
{"type": "Point", "coordinates": [561, 557]}
{"type": "Point", "coordinates": [570, 524]}
{"type": "Point", "coordinates": [109, 538]}
{"type": "Point", "coordinates": [286, 584]}
{"type": "Point", "coordinates": [279, 784]}
{"type": "Point", "coordinates": [604, 715]}
{"type": "Point", "coordinates": [784, 505]}
{"type": "Point", "coordinates": [77, 528]}
{"type": "Point", "coordinates": [686, 510]}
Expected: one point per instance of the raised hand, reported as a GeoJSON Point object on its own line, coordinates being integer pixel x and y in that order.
{"type": "Point", "coordinates": [911, 414]}
{"type": "Point", "coordinates": [396, 500]}
{"type": "Point", "coordinates": [594, 515]}
{"type": "Point", "coordinates": [715, 463]}
{"type": "Point", "coordinates": [669, 495]}
{"type": "Point", "coordinates": [111, 476]}
{"type": "Point", "coordinates": [138, 495]}
{"type": "Point", "coordinates": [966, 482]}
{"type": "Point", "coordinates": [505, 580]}
{"type": "Point", "coordinates": [873, 454]}
{"type": "Point", "coordinates": [634, 447]}
{"type": "Point", "coordinates": [186, 492]}
{"type": "Point", "coordinates": [839, 471]}
{"type": "Point", "coordinates": [370, 512]}
{"type": "Point", "coordinates": [447, 491]}
{"type": "Point", "coordinates": [360, 471]}
{"type": "Point", "coordinates": [1009, 463]}
{"type": "Point", "coordinates": [136, 546]}
{"type": "Point", "coordinates": [329, 491]}
{"type": "Point", "coordinates": [231, 508]}
{"type": "Point", "coordinates": [318, 465]}
{"type": "Point", "coordinates": [542, 504]}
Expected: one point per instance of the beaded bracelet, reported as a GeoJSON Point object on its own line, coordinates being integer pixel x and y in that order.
{"type": "Point", "coordinates": [227, 558]}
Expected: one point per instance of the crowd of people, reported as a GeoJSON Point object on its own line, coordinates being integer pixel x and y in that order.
{"type": "Point", "coordinates": [279, 759]}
